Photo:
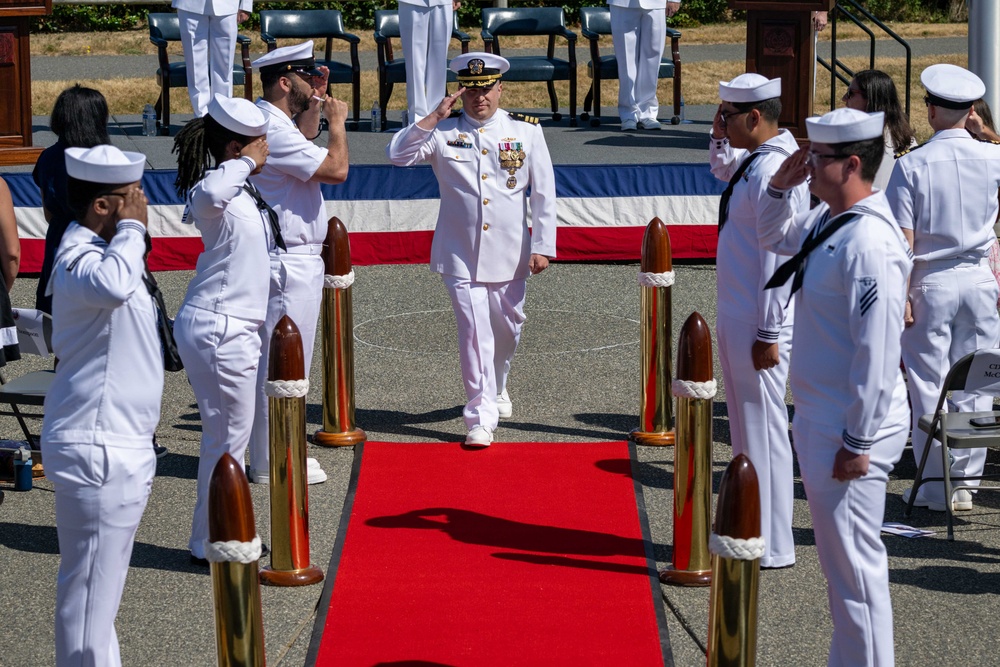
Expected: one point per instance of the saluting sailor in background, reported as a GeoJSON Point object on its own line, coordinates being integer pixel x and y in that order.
{"type": "Point", "coordinates": [754, 325]}
{"type": "Point", "coordinates": [294, 95]}
{"type": "Point", "coordinates": [104, 404]}
{"type": "Point", "coordinates": [638, 30]}
{"type": "Point", "coordinates": [425, 31]}
{"type": "Point", "coordinates": [944, 195]}
{"type": "Point", "coordinates": [851, 416]}
{"type": "Point", "coordinates": [208, 36]}
{"type": "Point", "coordinates": [217, 325]}
{"type": "Point", "coordinates": [485, 159]}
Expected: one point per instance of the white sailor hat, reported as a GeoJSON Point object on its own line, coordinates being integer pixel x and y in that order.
{"type": "Point", "coordinates": [842, 126]}
{"type": "Point", "coordinates": [104, 164]}
{"type": "Point", "coordinates": [749, 87]}
{"type": "Point", "coordinates": [298, 58]}
{"type": "Point", "coordinates": [478, 69]}
{"type": "Point", "coordinates": [238, 115]}
{"type": "Point", "coordinates": [951, 86]}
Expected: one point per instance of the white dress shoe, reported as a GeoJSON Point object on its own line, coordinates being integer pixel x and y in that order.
{"type": "Point", "coordinates": [314, 474]}
{"type": "Point", "coordinates": [628, 125]}
{"type": "Point", "coordinates": [961, 501]}
{"type": "Point", "coordinates": [479, 436]}
{"type": "Point", "coordinates": [504, 405]}
{"type": "Point", "coordinates": [650, 124]}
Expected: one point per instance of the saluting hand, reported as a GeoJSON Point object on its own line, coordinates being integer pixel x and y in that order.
{"type": "Point", "coordinates": [443, 110]}
{"type": "Point", "coordinates": [256, 150]}
{"type": "Point", "coordinates": [718, 131]}
{"type": "Point", "coordinates": [793, 171]}
{"type": "Point", "coordinates": [133, 206]}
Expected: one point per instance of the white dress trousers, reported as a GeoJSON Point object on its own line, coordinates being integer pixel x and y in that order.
{"type": "Point", "coordinates": [758, 428]}
{"type": "Point", "coordinates": [954, 313]}
{"type": "Point", "coordinates": [209, 43]}
{"type": "Point", "coordinates": [638, 34]}
{"type": "Point", "coordinates": [425, 31]}
{"type": "Point", "coordinates": [847, 524]}
{"type": "Point", "coordinates": [489, 318]}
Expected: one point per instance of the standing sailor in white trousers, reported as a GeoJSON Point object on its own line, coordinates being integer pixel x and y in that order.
{"type": "Point", "coordinates": [208, 37]}
{"type": "Point", "coordinates": [104, 404]}
{"type": "Point", "coordinates": [638, 30]}
{"type": "Point", "coordinates": [217, 325]}
{"type": "Point", "coordinates": [425, 31]}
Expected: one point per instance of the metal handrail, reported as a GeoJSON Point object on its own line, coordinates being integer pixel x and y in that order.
{"type": "Point", "coordinates": [835, 65]}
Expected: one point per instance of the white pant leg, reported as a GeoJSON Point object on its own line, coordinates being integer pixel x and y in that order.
{"type": "Point", "coordinates": [758, 427]}
{"type": "Point", "coordinates": [297, 291]}
{"type": "Point", "coordinates": [954, 314]}
{"type": "Point", "coordinates": [220, 356]}
{"type": "Point", "coordinates": [100, 495]}
{"type": "Point", "coordinates": [221, 49]}
{"type": "Point", "coordinates": [436, 66]}
{"type": "Point", "coordinates": [194, 40]}
{"type": "Point", "coordinates": [506, 316]}
{"type": "Point", "coordinates": [625, 24]}
{"type": "Point", "coordinates": [652, 33]}
{"type": "Point", "coordinates": [847, 519]}
{"type": "Point", "coordinates": [414, 33]}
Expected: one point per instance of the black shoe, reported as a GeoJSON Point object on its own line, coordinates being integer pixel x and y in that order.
{"type": "Point", "coordinates": [200, 562]}
{"type": "Point", "coordinates": [160, 451]}
{"type": "Point", "coordinates": [264, 550]}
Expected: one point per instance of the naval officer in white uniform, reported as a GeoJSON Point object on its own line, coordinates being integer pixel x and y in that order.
{"type": "Point", "coordinates": [851, 415]}
{"type": "Point", "coordinates": [104, 403]}
{"type": "Point", "coordinates": [208, 37]}
{"type": "Point", "coordinates": [638, 30]}
{"type": "Point", "coordinates": [943, 194]}
{"type": "Point", "coordinates": [485, 159]}
{"type": "Point", "coordinates": [754, 325]}
{"type": "Point", "coordinates": [217, 324]}
{"type": "Point", "coordinates": [294, 95]}
{"type": "Point", "coordinates": [425, 31]}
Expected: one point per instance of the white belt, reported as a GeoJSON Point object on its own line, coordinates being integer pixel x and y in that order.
{"type": "Point", "coordinates": [308, 249]}
{"type": "Point", "coordinates": [938, 264]}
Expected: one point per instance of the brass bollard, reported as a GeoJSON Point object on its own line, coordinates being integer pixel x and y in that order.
{"type": "Point", "coordinates": [286, 391]}
{"type": "Point", "coordinates": [338, 429]}
{"type": "Point", "coordinates": [694, 388]}
{"type": "Point", "coordinates": [233, 549]}
{"type": "Point", "coordinates": [655, 277]}
{"type": "Point", "coordinates": [736, 548]}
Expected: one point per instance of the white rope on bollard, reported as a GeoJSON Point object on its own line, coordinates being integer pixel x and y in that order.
{"type": "Point", "coordinates": [233, 551]}
{"type": "Point", "coordinates": [665, 279]}
{"type": "Point", "coordinates": [338, 282]}
{"type": "Point", "coordinates": [735, 548]}
{"type": "Point", "coordinates": [286, 388]}
{"type": "Point", "coordinates": [688, 389]}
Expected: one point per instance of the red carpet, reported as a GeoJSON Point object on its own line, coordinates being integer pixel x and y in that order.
{"type": "Point", "coordinates": [519, 554]}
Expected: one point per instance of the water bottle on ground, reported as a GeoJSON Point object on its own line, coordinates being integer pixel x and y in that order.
{"type": "Point", "coordinates": [149, 120]}
{"type": "Point", "coordinates": [376, 117]}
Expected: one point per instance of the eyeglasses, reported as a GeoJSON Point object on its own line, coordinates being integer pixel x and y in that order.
{"type": "Point", "coordinates": [815, 157]}
{"type": "Point", "coordinates": [724, 116]}
{"type": "Point", "coordinates": [851, 92]}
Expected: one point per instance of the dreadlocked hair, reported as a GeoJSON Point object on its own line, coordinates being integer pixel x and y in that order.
{"type": "Point", "coordinates": [199, 144]}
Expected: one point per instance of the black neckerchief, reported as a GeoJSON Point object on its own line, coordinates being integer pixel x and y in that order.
{"type": "Point", "coordinates": [797, 265]}
{"type": "Point", "coordinates": [264, 207]}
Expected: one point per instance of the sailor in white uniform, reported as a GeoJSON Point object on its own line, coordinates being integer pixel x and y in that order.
{"type": "Point", "coordinates": [943, 194]}
{"type": "Point", "coordinates": [217, 324]}
{"type": "Point", "coordinates": [638, 30]}
{"type": "Point", "coordinates": [851, 415]}
{"type": "Point", "coordinates": [294, 94]}
{"type": "Point", "coordinates": [425, 31]}
{"type": "Point", "coordinates": [485, 159]}
{"type": "Point", "coordinates": [104, 402]}
{"type": "Point", "coordinates": [754, 325]}
{"type": "Point", "coordinates": [208, 37]}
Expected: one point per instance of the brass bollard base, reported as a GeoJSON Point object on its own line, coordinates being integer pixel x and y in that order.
{"type": "Point", "coordinates": [662, 439]}
{"type": "Point", "coordinates": [346, 439]}
{"type": "Point", "coordinates": [685, 578]}
{"type": "Point", "coordinates": [304, 577]}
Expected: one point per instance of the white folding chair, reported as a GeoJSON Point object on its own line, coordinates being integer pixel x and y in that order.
{"type": "Point", "coordinates": [34, 336]}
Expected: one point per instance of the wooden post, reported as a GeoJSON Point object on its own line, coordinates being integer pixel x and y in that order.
{"type": "Point", "coordinates": [15, 80]}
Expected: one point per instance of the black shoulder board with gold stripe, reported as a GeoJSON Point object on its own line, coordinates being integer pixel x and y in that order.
{"type": "Point", "coordinates": [989, 141]}
{"type": "Point", "coordinates": [525, 117]}
{"type": "Point", "coordinates": [456, 113]}
{"type": "Point", "coordinates": [908, 150]}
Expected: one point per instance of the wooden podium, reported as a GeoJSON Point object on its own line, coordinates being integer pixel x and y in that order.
{"type": "Point", "coordinates": [780, 44]}
{"type": "Point", "coordinates": [15, 80]}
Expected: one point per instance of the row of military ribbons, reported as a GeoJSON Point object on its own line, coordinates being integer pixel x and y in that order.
{"type": "Point", "coordinates": [726, 558]}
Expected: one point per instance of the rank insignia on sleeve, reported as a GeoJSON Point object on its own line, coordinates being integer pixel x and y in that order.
{"type": "Point", "coordinates": [458, 143]}
{"type": "Point", "coordinates": [868, 293]}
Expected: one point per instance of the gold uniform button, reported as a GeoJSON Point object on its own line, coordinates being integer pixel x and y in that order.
{"type": "Point", "coordinates": [485, 151]}
{"type": "Point", "coordinates": [481, 130]}
{"type": "Point", "coordinates": [486, 201]}
{"type": "Point", "coordinates": [486, 226]}
{"type": "Point", "coordinates": [484, 177]}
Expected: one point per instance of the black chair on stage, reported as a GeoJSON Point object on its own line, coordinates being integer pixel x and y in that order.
{"type": "Point", "coordinates": [165, 28]}
{"type": "Point", "coordinates": [528, 21]}
{"type": "Point", "coordinates": [392, 70]}
{"type": "Point", "coordinates": [596, 22]}
{"type": "Point", "coordinates": [328, 24]}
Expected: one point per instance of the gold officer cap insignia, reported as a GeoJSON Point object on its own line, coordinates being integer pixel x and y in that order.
{"type": "Point", "coordinates": [476, 66]}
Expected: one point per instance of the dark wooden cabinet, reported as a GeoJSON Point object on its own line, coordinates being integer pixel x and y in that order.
{"type": "Point", "coordinates": [15, 80]}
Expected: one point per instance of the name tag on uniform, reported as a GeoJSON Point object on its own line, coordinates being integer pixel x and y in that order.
{"type": "Point", "coordinates": [458, 143]}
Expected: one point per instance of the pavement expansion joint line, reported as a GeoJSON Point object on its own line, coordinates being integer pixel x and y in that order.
{"type": "Point", "coordinates": [684, 623]}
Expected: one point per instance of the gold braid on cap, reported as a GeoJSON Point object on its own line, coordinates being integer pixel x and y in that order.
{"type": "Point", "coordinates": [476, 75]}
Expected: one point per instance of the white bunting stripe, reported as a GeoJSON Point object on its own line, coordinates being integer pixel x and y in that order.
{"type": "Point", "coordinates": [338, 282]}
{"type": "Point", "coordinates": [665, 279]}
{"type": "Point", "coordinates": [734, 548]}
{"type": "Point", "coordinates": [286, 388]}
{"type": "Point", "coordinates": [689, 389]}
{"type": "Point", "coordinates": [233, 551]}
